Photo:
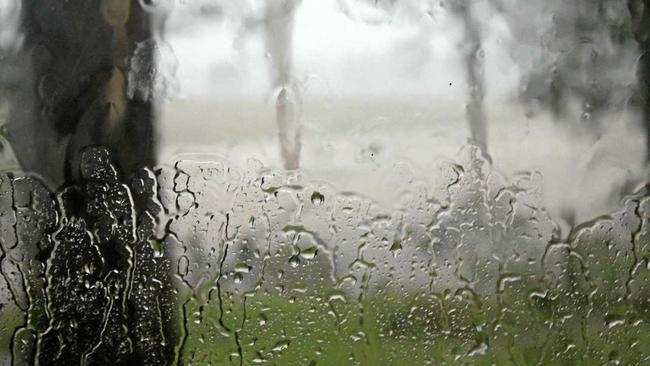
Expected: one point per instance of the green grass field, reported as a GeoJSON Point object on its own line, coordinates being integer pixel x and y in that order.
{"type": "Point", "coordinates": [414, 330]}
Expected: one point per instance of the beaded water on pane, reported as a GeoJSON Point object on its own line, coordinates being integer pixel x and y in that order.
{"type": "Point", "coordinates": [386, 182]}
{"type": "Point", "coordinates": [201, 263]}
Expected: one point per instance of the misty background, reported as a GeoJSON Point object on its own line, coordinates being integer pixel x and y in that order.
{"type": "Point", "coordinates": [380, 84]}
{"type": "Point", "coordinates": [384, 83]}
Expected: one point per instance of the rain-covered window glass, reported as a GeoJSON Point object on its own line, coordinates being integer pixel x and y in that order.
{"type": "Point", "coordinates": [324, 182]}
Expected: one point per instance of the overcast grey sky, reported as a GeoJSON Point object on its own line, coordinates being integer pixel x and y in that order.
{"type": "Point", "coordinates": [369, 52]}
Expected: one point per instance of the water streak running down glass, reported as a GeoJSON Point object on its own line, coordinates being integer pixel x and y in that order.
{"type": "Point", "coordinates": [324, 182]}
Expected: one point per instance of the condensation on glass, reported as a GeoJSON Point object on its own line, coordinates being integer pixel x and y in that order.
{"type": "Point", "coordinates": [324, 182]}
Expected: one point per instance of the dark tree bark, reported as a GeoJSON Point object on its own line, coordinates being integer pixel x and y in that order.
{"type": "Point", "coordinates": [74, 66]}
{"type": "Point", "coordinates": [108, 295]}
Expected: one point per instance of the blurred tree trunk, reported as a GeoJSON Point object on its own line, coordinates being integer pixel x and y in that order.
{"type": "Point", "coordinates": [640, 12]}
{"type": "Point", "coordinates": [108, 295]}
{"type": "Point", "coordinates": [74, 66]}
{"type": "Point", "coordinates": [473, 57]}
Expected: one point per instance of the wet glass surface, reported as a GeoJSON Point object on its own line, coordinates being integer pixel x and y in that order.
{"type": "Point", "coordinates": [335, 182]}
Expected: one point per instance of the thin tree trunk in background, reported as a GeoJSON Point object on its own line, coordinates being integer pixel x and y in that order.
{"type": "Point", "coordinates": [644, 91]}
{"type": "Point", "coordinates": [640, 12]}
{"type": "Point", "coordinates": [474, 71]}
{"type": "Point", "coordinates": [279, 25]}
{"type": "Point", "coordinates": [643, 39]}
{"type": "Point", "coordinates": [643, 85]}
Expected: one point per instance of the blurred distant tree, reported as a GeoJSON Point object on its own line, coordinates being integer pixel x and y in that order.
{"type": "Point", "coordinates": [640, 27]}
{"type": "Point", "coordinates": [473, 56]}
{"type": "Point", "coordinates": [581, 53]}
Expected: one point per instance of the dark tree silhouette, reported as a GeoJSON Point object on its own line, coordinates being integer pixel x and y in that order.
{"type": "Point", "coordinates": [74, 65]}
{"type": "Point", "coordinates": [74, 123]}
